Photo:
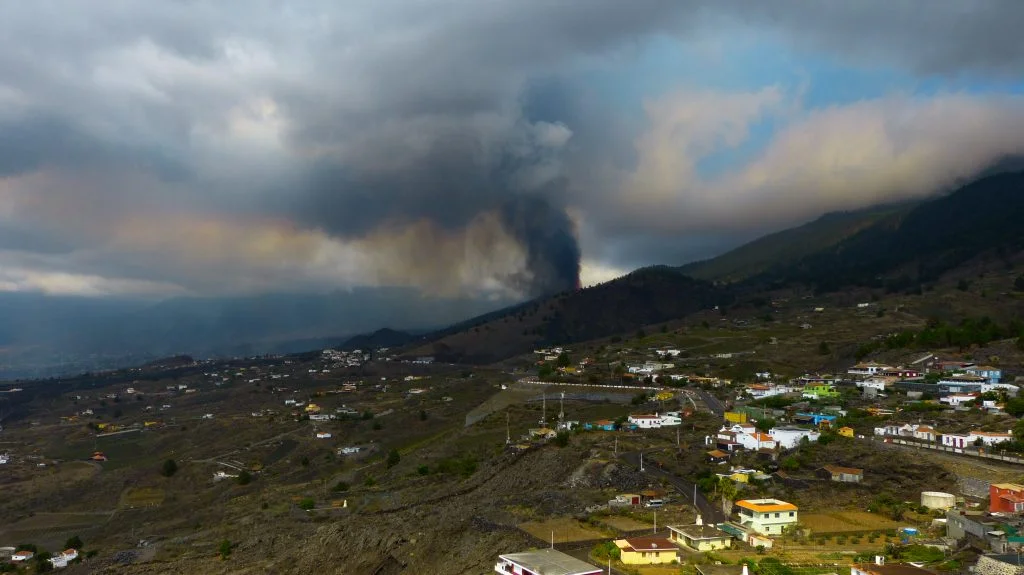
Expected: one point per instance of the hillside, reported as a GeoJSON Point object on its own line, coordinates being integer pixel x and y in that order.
{"type": "Point", "coordinates": [646, 296]}
{"type": "Point", "coordinates": [788, 246]}
{"type": "Point", "coordinates": [385, 337]}
{"type": "Point", "coordinates": [906, 250]}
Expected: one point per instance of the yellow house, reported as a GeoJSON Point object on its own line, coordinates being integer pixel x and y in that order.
{"type": "Point", "coordinates": [647, 551]}
{"type": "Point", "coordinates": [846, 431]}
{"type": "Point", "coordinates": [312, 408]}
{"type": "Point", "coordinates": [664, 396]}
{"type": "Point", "coordinates": [735, 417]}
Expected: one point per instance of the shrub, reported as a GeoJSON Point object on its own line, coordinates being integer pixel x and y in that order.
{"type": "Point", "coordinates": [244, 478]}
{"type": "Point", "coordinates": [225, 549]}
{"type": "Point", "coordinates": [169, 468]}
{"type": "Point", "coordinates": [393, 458]}
{"type": "Point", "coordinates": [307, 503]}
{"type": "Point", "coordinates": [423, 470]}
{"type": "Point", "coordinates": [74, 543]}
{"type": "Point", "coordinates": [340, 486]}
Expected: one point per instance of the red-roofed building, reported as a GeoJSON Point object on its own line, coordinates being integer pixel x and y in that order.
{"type": "Point", "coordinates": [1006, 498]}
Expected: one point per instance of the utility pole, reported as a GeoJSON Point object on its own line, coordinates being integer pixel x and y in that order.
{"type": "Point", "coordinates": [655, 521]}
{"type": "Point", "coordinates": [616, 446]}
{"type": "Point", "coordinates": [641, 461]}
{"type": "Point", "coordinates": [543, 408]}
{"type": "Point", "coordinates": [561, 407]}
{"type": "Point", "coordinates": [508, 429]}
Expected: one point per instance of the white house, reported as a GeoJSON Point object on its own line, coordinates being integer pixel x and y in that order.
{"type": "Point", "coordinates": [323, 435]}
{"type": "Point", "coordinates": [958, 399]}
{"type": "Point", "coordinates": [925, 433]}
{"type": "Point", "coordinates": [876, 383]}
{"type": "Point", "coordinates": [956, 440]}
{"type": "Point", "coordinates": [1008, 388]}
{"type": "Point", "coordinates": [22, 556]}
{"type": "Point", "coordinates": [668, 352]}
{"type": "Point", "coordinates": [867, 369]}
{"type": "Point", "coordinates": [545, 561]}
{"type": "Point", "coordinates": [767, 516]}
{"type": "Point", "coordinates": [989, 437]}
{"type": "Point", "coordinates": [759, 391]}
{"type": "Point", "coordinates": [349, 450]}
{"type": "Point", "coordinates": [756, 440]}
{"type": "Point", "coordinates": [790, 437]}
{"type": "Point", "coordinates": [655, 421]}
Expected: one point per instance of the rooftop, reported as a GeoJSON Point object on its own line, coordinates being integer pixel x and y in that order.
{"type": "Point", "coordinates": [647, 544]}
{"type": "Point", "coordinates": [766, 505]}
{"type": "Point", "coordinates": [699, 531]}
{"type": "Point", "coordinates": [846, 470]}
{"type": "Point", "coordinates": [550, 562]}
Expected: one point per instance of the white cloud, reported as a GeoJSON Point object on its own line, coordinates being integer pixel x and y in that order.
{"type": "Point", "coordinates": [840, 157]}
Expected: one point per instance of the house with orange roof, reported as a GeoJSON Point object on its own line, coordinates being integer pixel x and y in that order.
{"type": "Point", "coordinates": [766, 516]}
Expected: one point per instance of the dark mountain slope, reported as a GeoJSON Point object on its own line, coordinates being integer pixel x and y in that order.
{"type": "Point", "coordinates": [790, 245]}
{"type": "Point", "coordinates": [385, 337]}
{"type": "Point", "coordinates": [919, 245]}
{"type": "Point", "coordinates": [646, 296]}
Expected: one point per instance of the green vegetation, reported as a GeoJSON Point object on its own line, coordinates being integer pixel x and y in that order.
{"type": "Point", "coordinates": [169, 468]}
{"type": "Point", "coordinates": [462, 466]}
{"type": "Point", "coordinates": [224, 549]}
{"type": "Point", "coordinates": [74, 543]}
{"type": "Point", "coordinates": [340, 487]}
{"type": "Point", "coordinates": [307, 503]}
{"type": "Point", "coordinates": [244, 478]}
{"type": "Point", "coordinates": [938, 334]}
{"type": "Point", "coordinates": [393, 458]}
{"type": "Point", "coordinates": [606, 550]}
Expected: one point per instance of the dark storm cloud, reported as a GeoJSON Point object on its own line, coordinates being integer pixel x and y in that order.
{"type": "Point", "coordinates": [149, 124]}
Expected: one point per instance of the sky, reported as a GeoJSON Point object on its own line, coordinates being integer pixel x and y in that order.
{"type": "Point", "coordinates": [459, 147]}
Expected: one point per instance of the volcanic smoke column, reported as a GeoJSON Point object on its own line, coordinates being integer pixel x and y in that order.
{"type": "Point", "coordinates": [548, 237]}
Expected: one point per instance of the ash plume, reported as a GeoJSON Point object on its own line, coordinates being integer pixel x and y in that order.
{"type": "Point", "coordinates": [548, 236]}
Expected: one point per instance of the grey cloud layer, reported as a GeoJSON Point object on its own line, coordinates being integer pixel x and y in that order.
{"type": "Point", "coordinates": [213, 146]}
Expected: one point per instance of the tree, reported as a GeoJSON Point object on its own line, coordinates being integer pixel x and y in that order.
{"type": "Point", "coordinates": [423, 415]}
{"type": "Point", "coordinates": [393, 458]}
{"type": "Point", "coordinates": [1018, 284]}
{"type": "Point", "coordinates": [244, 478]}
{"type": "Point", "coordinates": [169, 468]}
{"type": "Point", "coordinates": [765, 425]}
{"type": "Point", "coordinates": [307, 503]}
{"type": "Point", "coordinates": [74, 543]}
{"type": "Point", "coordinates": [728, 491]}
{"type": "Point", "coordinates": [824, 349]}
{"type": "Point", "coordinates": [563, 360]}
{"type": "Point", "coordinates": [562, 439]}
{"type": "Point", "coordinates": [225, 549]}
{"type": "Point", "coordinates": [304, 461]}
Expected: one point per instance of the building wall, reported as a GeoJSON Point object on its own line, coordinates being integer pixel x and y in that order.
{"type": "Point", "coordinates": [648, 557]}
{"type": "Point", "coordinates": [708, 544]}
{"type": "Point", "coordinates": [996, 503]}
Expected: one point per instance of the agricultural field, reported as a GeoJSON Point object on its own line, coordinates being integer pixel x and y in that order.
{"type": "Point", "coordinates": [846, 522]}
{"type": "Point", "coordinates": [142, 497]}
{"type": "Point", "coordinates": [625, 523]}
{"type": "Point", "coordinates": [565, 529]}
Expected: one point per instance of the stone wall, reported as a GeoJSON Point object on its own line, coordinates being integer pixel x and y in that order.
{"type": "Point", "coordinates": [988, 565]}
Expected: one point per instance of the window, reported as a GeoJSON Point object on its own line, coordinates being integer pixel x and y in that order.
{"type": "Point", "coordinates": [791, 514]}
{"type": "Point", "coordinates": [776, 515]}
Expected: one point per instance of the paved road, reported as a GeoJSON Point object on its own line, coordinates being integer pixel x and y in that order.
{"type": "Point", "coordinates": [710, 512]}
{"type": "Point", "coordinates": [713, 403]}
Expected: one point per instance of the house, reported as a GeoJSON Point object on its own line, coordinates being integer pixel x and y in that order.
{"type": "Point", "coordinates": [647, 551]}
{"type": "Point", "coordinates": [627, 499]}
{"type": "Point", "coordinates": [312, 408]}
{"type": "Point", "coordinates": [879, 567]}
{"type": "Point", "coordinates": [925, 433]}
{"type": "Point", "coordinates": [956, 440]}
{"type": "Point", "coordinates": [323, 435]}
{"type": "Point", "coordinates": [603, 425]}
{"type": "Point", "coordinates": [1005, 498]}
{"type": "Point", "coordinates": [58, 561]}
{"type": "Point", "coordinates": [543, 433]}
{"type": "Point", "coordinates": [766, 516]}
{"type": "Point", "coordinates": [963, 382]}
{"type": "Point", "coordinates": [876, 383]}
{"type": "Point", "coordinates": [958, 399]}
{"type": "Point", "coordinates": [841, 474]}
{"type": "Point", "coordinates": [655, 421]}
{"type": "Point", "coordinates": [867, 369]}
{"type": "Point", "coordinates": [819, 391]}
{"type": "Point", "coordinates": [846, 431]}
{"type": "Point", "coordinates": [349, 450]}
{"type": "Point", "coordinates": [989, 373]}
{"type": "Point", "coordinates": [756, 440]}
{"type": "Point", "coordinates": [700, 537]}
{"type": "Point", "coordinates": [19, 556]}
{"type": "Point", "coordinates": [543, 562]}
{"type": "Point", "coordinates": [815, 419]}
{"type": "Point", "coordinates": [789, 437]}
{"type": "Point", "coordinates": [718, 456]}
{"type": "Point", "coordinates": [989, 437]}
{"type": "Point", "coordinates": [735, 417]}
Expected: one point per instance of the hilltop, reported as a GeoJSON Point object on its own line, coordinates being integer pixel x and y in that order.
{"type": "Point", "coordinates": [646, 296]}
{"type": "Point", "coordinates": [886, 248]}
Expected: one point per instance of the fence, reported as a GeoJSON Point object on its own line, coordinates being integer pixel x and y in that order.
{"type": "Point", "coordinates": [966, 451]}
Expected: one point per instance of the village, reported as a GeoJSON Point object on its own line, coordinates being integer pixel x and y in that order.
{"type": "Point", "coordinates": [686, 469]}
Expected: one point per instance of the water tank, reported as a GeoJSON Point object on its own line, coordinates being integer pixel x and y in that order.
{"type": "Point", "coordinates": [938, 500]}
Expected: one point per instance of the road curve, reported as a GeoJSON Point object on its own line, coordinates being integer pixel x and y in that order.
{"type": "Point", "coordinates": [709, 512]}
